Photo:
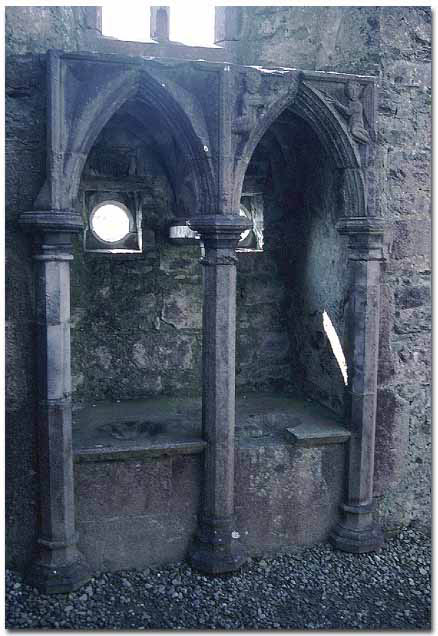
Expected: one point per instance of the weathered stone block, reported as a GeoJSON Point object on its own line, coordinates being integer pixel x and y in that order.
{"type": "Point", "coordinates": [182, 308]}
{"type": "Point", "coordinates": [142, 488]}
{"type": "Point", "coordinates": [411, 238]}
{"type": "Point", "coordinates": [133, 514]}
{"type": "Point", "coordinates": [271, 514]}
{"type": "Point", "coordinates": [392, 439]}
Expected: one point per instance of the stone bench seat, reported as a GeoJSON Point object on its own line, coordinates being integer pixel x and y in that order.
{"type": "Point", "coordinates": [170, 426]}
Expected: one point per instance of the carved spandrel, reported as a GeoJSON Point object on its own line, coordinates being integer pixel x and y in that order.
{"type": "Point", "coordinates": [352, 109]}
{"type": "Point", "coordinates": [256, 92]}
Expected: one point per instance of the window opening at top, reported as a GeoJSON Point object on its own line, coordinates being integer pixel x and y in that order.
{"type": "Point", "coordinates": [110, 222]}
{"type": "Point", "coordinates": [191, 24]}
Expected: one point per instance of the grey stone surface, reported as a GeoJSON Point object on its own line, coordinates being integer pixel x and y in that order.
{"type": "Point", "coordinates": [150, 517]}
{"type": "Point", "coordinates": [391, 43]}
{"type": "Point", "coordinates": [286, 495]}
{"type": "Point", "coordinates": [57, 566]}
{"type": "Point", "coordinates": [216, 547]}
{"type": "Point", "coordinates": [313, 433]}
{"type": "Point", "coordinates": [36, 29]}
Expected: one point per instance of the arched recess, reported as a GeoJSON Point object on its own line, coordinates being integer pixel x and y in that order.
{"type": "Point", "coordinates": [160, 97]}
{"type": "Point", "coordinates": [333, 134]}
{"type": "Point", "coordinates": [312, 176]}
{"type": "Point", "coordinates": [144, 313]}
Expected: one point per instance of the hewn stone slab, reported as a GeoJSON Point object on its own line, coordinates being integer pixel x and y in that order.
{"type": "Point", "coordinates": [317, 434]}
{"type": "Point", "coordinates": [102, 454]}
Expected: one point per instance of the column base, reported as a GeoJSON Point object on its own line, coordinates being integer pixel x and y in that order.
{"type": "Point", "coordinates": [366, 539]}
{"type": "Point", "coordinates": [215, 550]}
{"type": "Point", "coordinates": [58, 579]}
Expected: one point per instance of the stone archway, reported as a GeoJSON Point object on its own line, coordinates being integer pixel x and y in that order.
{"type": "Point", "coordinates": [84, 93]}
{"type": "Point", "coordinates": [305, 96]}
{"type": "Point", "coordinates": [217, 140]}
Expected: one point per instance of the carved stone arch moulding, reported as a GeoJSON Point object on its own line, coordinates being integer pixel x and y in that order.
{"type": "Point", "coordinates": [86, 90]}
{"type": "Point", "coordinates": [262, 96]}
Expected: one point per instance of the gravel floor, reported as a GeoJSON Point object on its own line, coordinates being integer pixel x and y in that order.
{"type": "Point", "coordinates": [315, 588]}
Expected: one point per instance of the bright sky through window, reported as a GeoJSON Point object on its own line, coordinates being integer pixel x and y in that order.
{"type": "Point", "coordinates": [110, 222]}
{"type": "Point", "coordinates": [335, 345]}
{"type": "Point", "coordinates": [190, 23]}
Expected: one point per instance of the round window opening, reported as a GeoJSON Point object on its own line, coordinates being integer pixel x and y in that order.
{"type": "Point", "coordinates": [110, 221]}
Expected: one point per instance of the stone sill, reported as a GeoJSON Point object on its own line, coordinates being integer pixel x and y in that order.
{"type": "Point", "coordinates": [163, 426]}
{"type": "Point", "coordinates": [314, 434]}
{"type": "Point", "coordinates": [124, 453]}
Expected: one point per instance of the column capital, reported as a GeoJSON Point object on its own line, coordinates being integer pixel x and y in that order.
{"type": "Point", "coordinates": [218, 228]}
{"type": "Point", "coordinates": [44, 221]}
{"type": "Point", "coordinates": [366, 237]}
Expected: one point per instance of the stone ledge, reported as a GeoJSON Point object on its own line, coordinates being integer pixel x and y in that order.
{"type": "Point", "coordinates": [317, 434]}
{"type": "Point", "coordinates": [122, 453]}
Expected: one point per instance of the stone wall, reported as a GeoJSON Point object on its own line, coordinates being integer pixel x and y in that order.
{"type": "Point", "coordinates": [36, 29]}
{"type": "Point", "coordinates": [393, 44]}
{"type": "Point", "coordinates": [136, 325]}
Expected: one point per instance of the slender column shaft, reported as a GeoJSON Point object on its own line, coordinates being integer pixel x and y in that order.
{"type": "Point", "coordinates": [58, 566]}
{"type": "Point", "coordinates": [216, 547]}
{"type": "Point", "coordinates": [219, 320]}
{"type": "Point", "coordinates": [357, 532]}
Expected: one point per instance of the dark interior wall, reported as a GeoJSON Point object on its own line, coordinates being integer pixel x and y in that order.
{"type": "Point", "coordinates": [317, 262]}
{"type": "Point", "coordinates": [283, 292]}
{"type": "Point", "coordinates": [136, 318]}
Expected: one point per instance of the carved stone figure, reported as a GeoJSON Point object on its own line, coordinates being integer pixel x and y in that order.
{"type": "Point", "coordinates": [256, 99]}
{"type": "Point", "coordinates": [354, 112]}
{"type": "Point", "coordinates": [251, 104]}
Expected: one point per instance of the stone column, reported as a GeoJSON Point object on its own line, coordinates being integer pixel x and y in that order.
{"type": "Point", "coordinates": [216, 547]}
{"type": "Point", "coordinates": [58, 566]}
{"type": "Point", "coordinates": [357, 531]}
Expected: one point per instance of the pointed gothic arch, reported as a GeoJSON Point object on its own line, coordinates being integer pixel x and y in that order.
{"type": "Point", "coordinates": [86, 94]}
{"type": "Point", "coordinates": [333, 133]}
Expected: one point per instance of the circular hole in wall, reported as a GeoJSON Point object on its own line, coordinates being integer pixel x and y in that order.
{"type": "Point", "coordinates": [110, 221]}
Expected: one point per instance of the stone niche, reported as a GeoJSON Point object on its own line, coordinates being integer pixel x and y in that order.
{"type": "Point", "coordinates": [137, 317]}
{"type": "Point", "coordinates": [136, 350]}
{"type": "Point", "coordinates": [136, 314]}
{"type": "Point", "coordinates": [284, 291]}
{"type": "Point", "coordinates": [169, 460]}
